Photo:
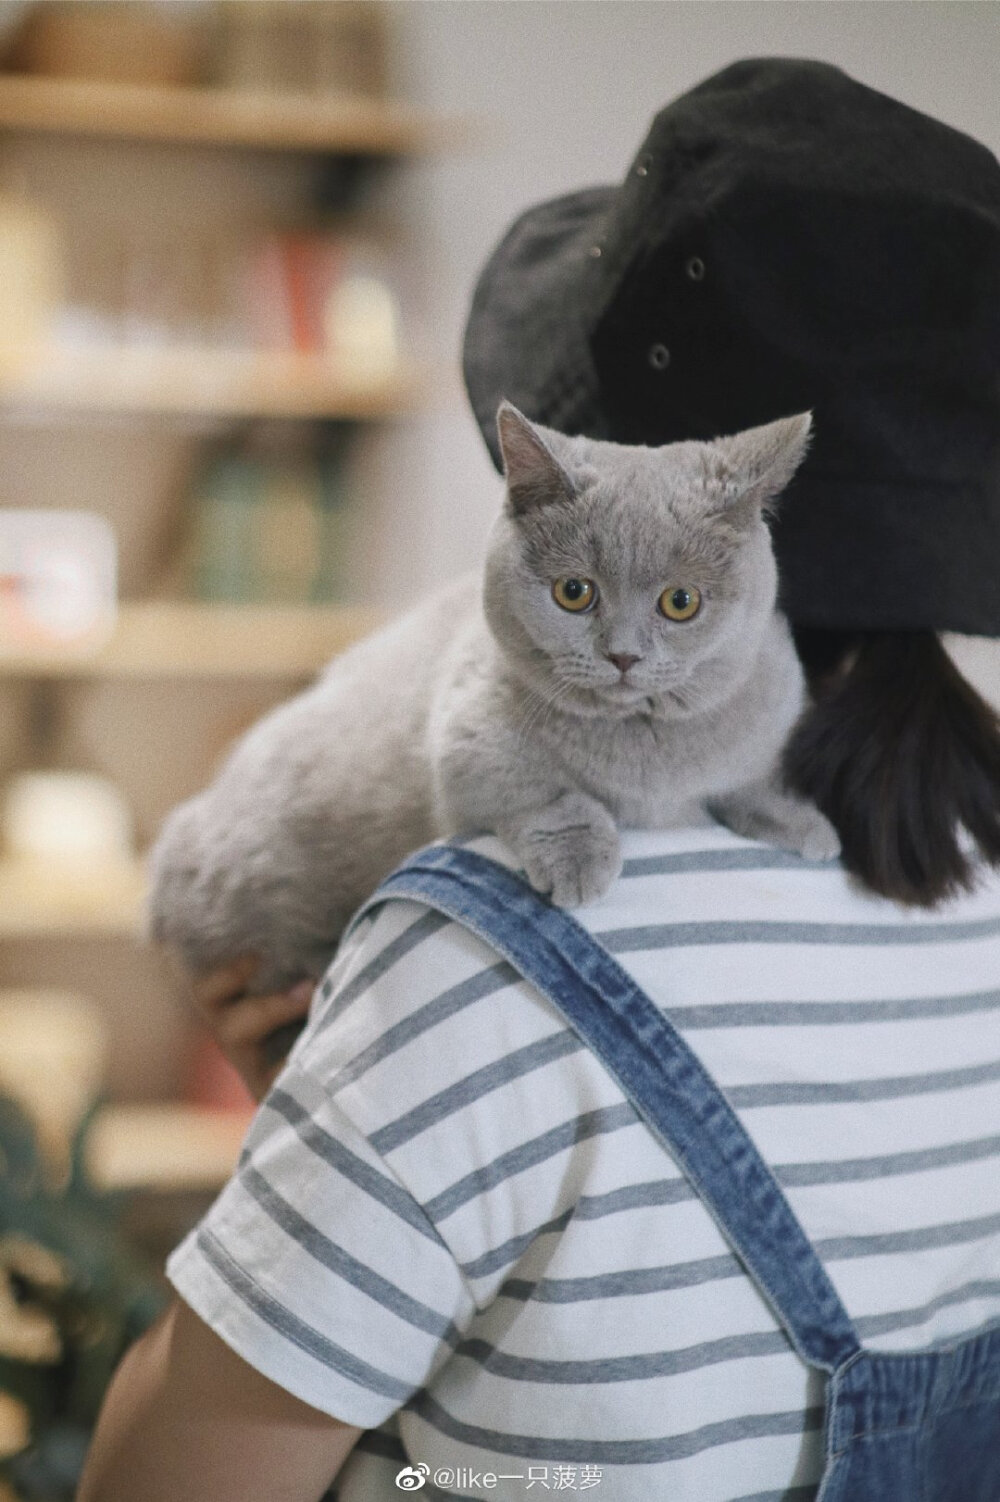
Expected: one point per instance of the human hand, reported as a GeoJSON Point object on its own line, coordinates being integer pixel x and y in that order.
{"type": "Point", "coordinates": [254, 1032]}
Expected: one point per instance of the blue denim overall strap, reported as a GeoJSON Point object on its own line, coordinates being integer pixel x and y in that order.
{"type": "Point", "coordinates": [659, 1074]}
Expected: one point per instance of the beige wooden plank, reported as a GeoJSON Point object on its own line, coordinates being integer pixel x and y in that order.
{"type": "Point", "coordinates": [176, 639]}
{"type": "Point", "coordinates": [164, 1146]}
{"type": "Point", "coordinates": [203, 382]}
{"type": "Point", "coordinates": [43, 900]}
{"type": "Point", "coordinates": [224, 117]}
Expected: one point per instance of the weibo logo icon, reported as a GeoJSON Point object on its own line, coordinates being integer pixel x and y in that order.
{"type": "Point", "coordinates": [412, 1478]}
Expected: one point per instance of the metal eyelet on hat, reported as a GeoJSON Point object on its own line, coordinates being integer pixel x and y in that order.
{"type": "Point", "coordinates": [694, 269]}
{"type": "Point", "coordinates": [643, 165]}
{"type": "Point", "coordinates": [658, 356]}
{"type": "Point", "coordinates": [595, 252]}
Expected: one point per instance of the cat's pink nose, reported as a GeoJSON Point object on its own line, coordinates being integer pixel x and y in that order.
{"type": "Point", "coordinates": [622, 660]}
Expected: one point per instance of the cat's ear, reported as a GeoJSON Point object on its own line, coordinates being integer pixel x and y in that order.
{"type": "Point", "coordinates": [758, 463]}
{"type": "Point", "coordinates": [534, 475]}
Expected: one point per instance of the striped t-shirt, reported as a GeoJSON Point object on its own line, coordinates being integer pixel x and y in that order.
{"type": "Point", "coordinates": [449, 1227]}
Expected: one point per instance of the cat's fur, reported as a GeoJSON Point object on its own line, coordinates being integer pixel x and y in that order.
{"type": "Point", "coordinates": [490, 708]}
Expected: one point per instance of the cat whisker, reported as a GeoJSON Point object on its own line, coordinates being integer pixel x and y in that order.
{"type": "Point", "coordinates": [677, 696]}
{"type": "Point", "coordinates": [541, 706]}
{"type": "Point", "coordinates": [537, 703]}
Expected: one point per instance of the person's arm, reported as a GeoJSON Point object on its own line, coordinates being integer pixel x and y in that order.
{"type": "Point", "coordinates": [185, 1417]}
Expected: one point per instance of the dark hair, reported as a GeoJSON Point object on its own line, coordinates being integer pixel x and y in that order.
{"type": "Point", "coordinates": [902, 755]}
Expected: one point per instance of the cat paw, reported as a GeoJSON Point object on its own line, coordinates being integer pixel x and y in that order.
{"type": "Point", "coordinates": [572, 866]}
{"type": "Point", "coordinates": [570, 851]}
{"type": "Point", "coordinates": [779, 819]}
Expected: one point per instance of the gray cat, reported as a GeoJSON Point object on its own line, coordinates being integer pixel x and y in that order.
{"type": "Point", "coordinates": [622, 663]}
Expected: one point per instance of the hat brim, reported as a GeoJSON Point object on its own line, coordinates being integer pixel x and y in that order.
{"type": "Point", "coordinates": [526, 340]}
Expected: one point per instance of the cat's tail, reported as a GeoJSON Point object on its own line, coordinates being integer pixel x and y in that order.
{"type": "Point", "coordinates": [903, 756]}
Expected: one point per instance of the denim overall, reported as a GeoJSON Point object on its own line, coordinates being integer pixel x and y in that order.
{"type": "Point", "coordinates": [916, 1427]}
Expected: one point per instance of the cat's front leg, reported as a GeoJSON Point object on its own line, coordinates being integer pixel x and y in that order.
{"type": "Point", "coordinates": [765, 811]}
{"type": "Point", "coordinates": [569, 848]}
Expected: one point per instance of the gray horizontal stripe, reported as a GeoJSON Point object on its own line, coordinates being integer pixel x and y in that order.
{"type": "Point", "coordinates": [527, 1154]}
{"type": "Point", "coordinates": [924, 1238]}
{"type": "Point", "coordinates": [918, 1160]}
{"type": "Point", "coordinates": [421, 928]}
{"type": "Point", "coordinates": [512, 1250]}
{"type": "Point", "coordinates": [751, 931]}
{"type": "Point", "coordinates": [575, 1451]}
{"type": "Point", "coordinates": [804, 1093]}
{"type": "Point", "coordinates": [677, 1190]}
{"type": "Point", "coordinates": [349, 1165]}
{"type": "Point", "coordinates": [759, 858]}
{"type": "Point", "coordinates": [294, 1330]}
{"type": "Point", "coordinates": [831, 1013]}
{"type": "Point", "coordinates": [519, 1062]}
{"type": "Point", "coordinates": [606, 1369]}
{"type": "Point", "coordinates": [632, 1282]}
{"type": "Point", "coordinates": [455, 999]}
{"type": "Point", "coordinates": [707, 1269]}
{"type": "Point", "coordinates": [624, 1284]}
{"type": "Point", "coordinates": [650, 1364]}
{"type": "Point", "coordinates": [837, 1171]}
{"type": "Point", "coordinates": [328, 1254]}
{"type": "Point", "coordinates": [633, 1197]}
{"type": "Point", "coordinates": [904, 1319]}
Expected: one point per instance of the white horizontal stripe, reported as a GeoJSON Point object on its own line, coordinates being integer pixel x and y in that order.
{"type": "Point", "coordinates": [658, 1410]}
{"type": "Point", "coordinates": [904, 1124]}
{"type": "Point", "coordinates": [776, 972]}
{"type": "Point", "coordinates": [892, 1049]}
{"type": "Point", "coordinates": [899, 1203]}
{"type": "Point", "coordinates": [674, 1319]}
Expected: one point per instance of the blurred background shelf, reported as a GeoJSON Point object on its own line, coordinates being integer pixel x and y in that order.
{"type": "Point", "coordinates": [223, 117]}
{"type": "Point", "coordinates": [167, 1147]}
{"type": "Point", "coordinates": [180, 639]}
{"type": "Point", "coordinates": [41, 900]}
{"type": "Point", "coordinates": [205, 383]}
{"type": "Point", "coordinates": [52, 1048]}
{"type": "Point", "coordinates": [217, 302]}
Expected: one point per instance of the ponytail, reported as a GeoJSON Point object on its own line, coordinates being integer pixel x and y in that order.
{"type": "Point", "coordinates": [902, 755]}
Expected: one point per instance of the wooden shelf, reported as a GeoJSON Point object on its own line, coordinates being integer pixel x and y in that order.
{"type": "Point", "coordinates": [52, 1059]}
{"type": "Point", "coordinates": [177, 639]}
{"type": "Point", "coordinates": [352, 125]}
{"type": "Point", "coordinates": [159, 640]}
{"type": "Point", "coordinates": [164, 1146]}
{"type": "Point", "coordinates": [39, 900]}
{"type": "Point", "coordinates": [201, 382]}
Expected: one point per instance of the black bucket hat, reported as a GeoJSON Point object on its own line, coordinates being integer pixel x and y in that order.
{"type": "Point", "coordinates": [786, 238]}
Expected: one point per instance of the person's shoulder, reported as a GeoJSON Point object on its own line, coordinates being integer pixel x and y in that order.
{"type": "Point", "coordinates": [411, 993]}
{"type": "Point", "coordinates": [403, 966]}
{"type": "Point", "coordinates": [405, 969]}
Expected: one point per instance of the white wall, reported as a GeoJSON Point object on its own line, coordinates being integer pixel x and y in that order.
{"type": "Point", "coordinates": [565, 90]}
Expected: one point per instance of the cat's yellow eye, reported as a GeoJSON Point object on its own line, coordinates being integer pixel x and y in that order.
{"type": "Point", "coordinates": [575, 594]}
{"type": "Point", "coordinates": [680, 603]}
